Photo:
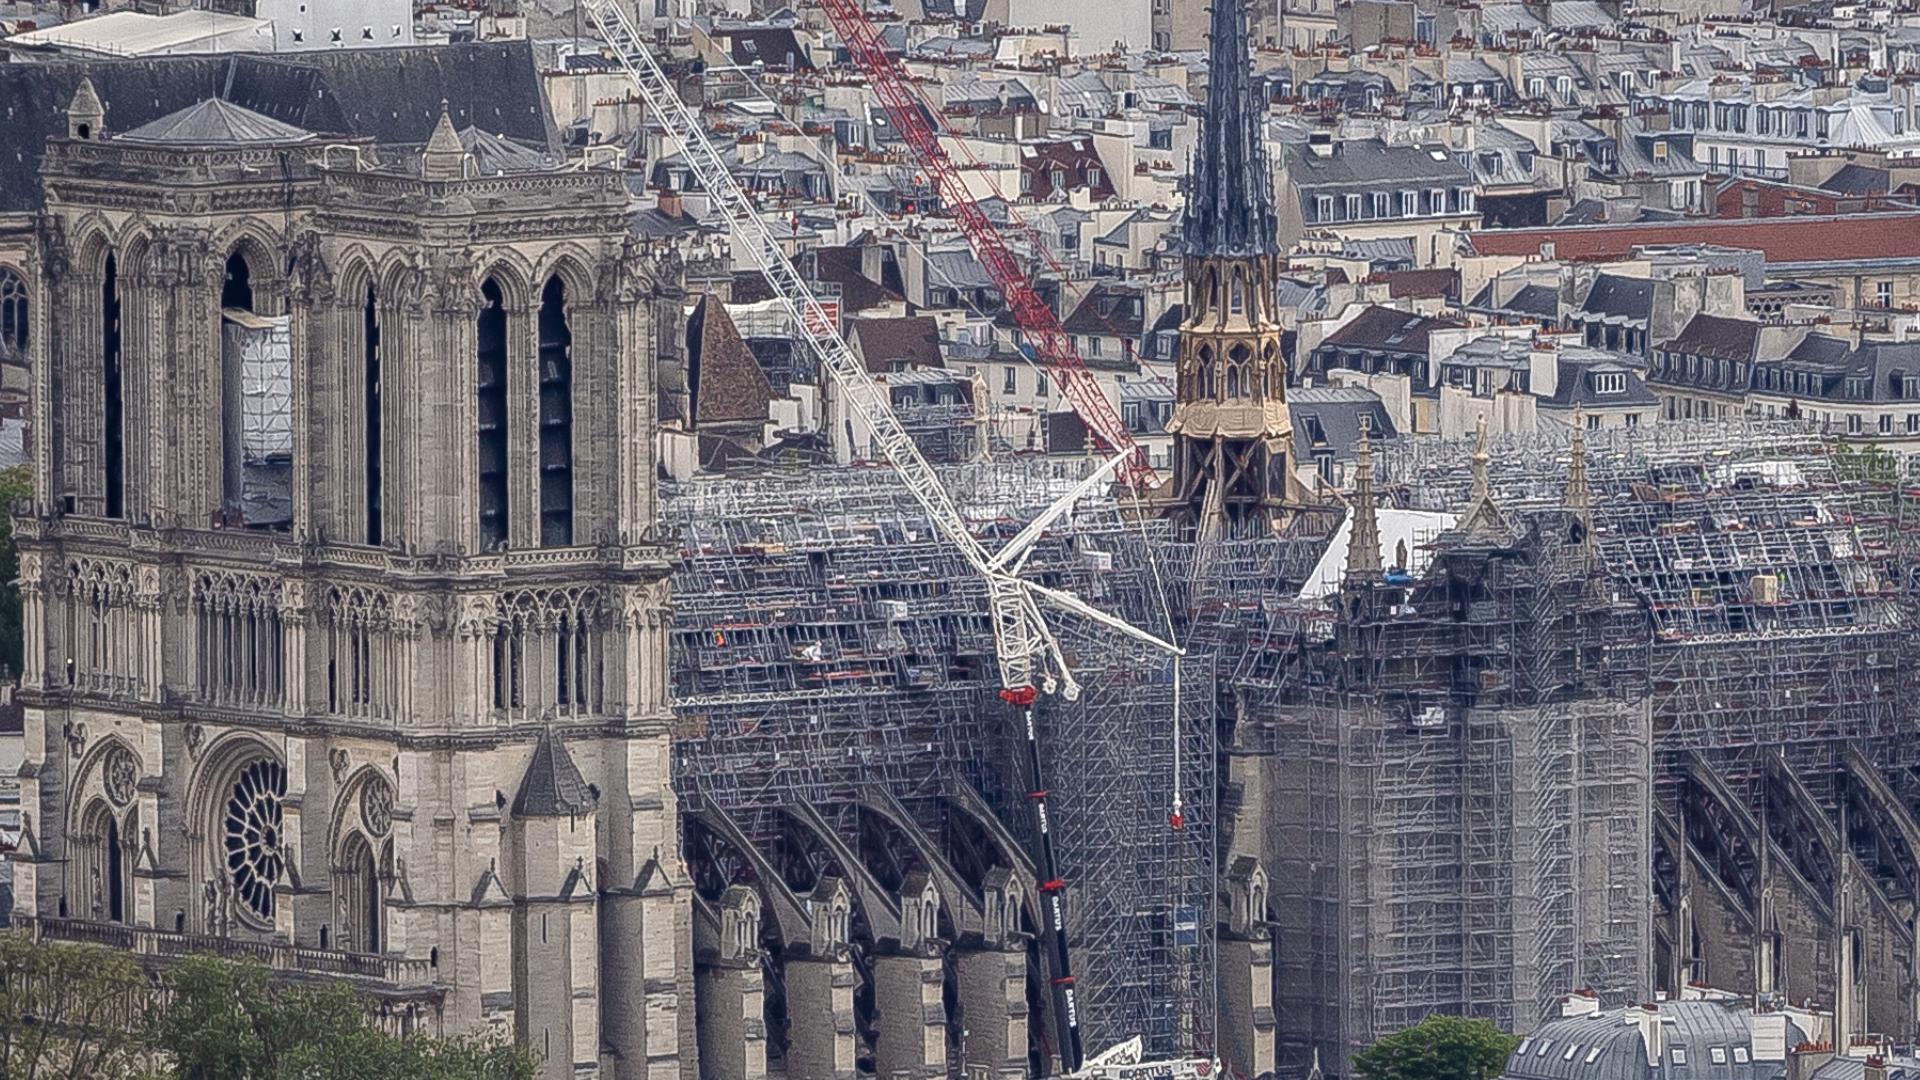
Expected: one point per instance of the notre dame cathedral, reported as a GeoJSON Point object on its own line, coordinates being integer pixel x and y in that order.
{"type": "Point", "coordinates": [345, 613]}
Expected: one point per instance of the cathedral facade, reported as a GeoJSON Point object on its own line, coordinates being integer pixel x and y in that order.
{"type": "Point", "coordinates": [345, 610]}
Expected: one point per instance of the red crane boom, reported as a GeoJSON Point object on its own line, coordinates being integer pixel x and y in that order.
{"type": "Point", "coordinates": [1035, 317]}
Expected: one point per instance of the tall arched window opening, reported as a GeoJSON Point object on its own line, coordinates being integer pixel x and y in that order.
{"type": "Point", "coordinates": [13, 313]}
{"type": "Point", "coordinates": [236, 290]}
{"type": "Point", "coordinates": [113, 440]}
{"type": "Point", "coordinates": [370, 338]}
{"type": "Point", "coordinates": [556, 417]}
{"type": "Point", "coordinates": [256, 396]}
{"type": "Point", "coordinates": [492, 389]}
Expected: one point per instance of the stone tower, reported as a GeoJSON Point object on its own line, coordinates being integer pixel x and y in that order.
{"type": "Point", "coordinates": [345, 611]}
{"type": "Point", "coordinates": [1230, 421]}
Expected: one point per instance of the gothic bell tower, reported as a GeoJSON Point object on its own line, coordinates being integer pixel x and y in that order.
{"type": "Point", "coordinates": [1230, 423]}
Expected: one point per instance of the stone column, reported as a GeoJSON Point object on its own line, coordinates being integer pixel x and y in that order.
{"type": "Point", "coordinates": [733, 1033]}
{"type": "Point", "coordinates": [820, 1034]}
{"type": "Point", "coordinates": [993, 1007]}
{"type": "Point", "coordinates": [1246, 1005]}
{"type": "Point", "coordinates": [913, 1020]}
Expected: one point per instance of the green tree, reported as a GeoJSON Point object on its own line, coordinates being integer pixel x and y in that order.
{"type": "Point", "coordinates": [15, 483]}
{"type": "Point", "coordinates": [228, 1020]}
{"type": "Point", "coordinates": [70, 1011]}
{"type": "Point", "coordinates": [1439, 1048]}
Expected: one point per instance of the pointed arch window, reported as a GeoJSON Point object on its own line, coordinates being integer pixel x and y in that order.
{"type": "Point", "coordinates": [370, 343]}
{"type": "Point", "coordinates": [13, 312]}
{"type": "Point", "coordinates": [556, 417]}
{"type": "Point", "coordinates": [492, 401]}
{"type": "Point", "coordinates": [113, 435]}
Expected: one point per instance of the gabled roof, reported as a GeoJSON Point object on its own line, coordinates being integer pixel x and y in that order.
{"type": "Point", "coordinates": [215, 123]}
{"type": "Point", "coordinates": [552, 785]}
{"type": "Point", "coordinates": [727, 382]}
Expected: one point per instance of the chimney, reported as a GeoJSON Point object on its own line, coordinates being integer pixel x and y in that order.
{"type": "Point", "coordinates": [1320, 143]}
{"type": "Point", "coordinates": [1652, 1034]}
{"type": "Point", "coordinates": [1876, 1068]}
{"type": "Point", "coordinates": [1580, 1003]}
{"type": "Point", "coordinates": [669, 202]}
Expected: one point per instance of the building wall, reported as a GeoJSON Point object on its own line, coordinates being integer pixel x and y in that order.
{"type": "Point", "coordinates": [361, 703]}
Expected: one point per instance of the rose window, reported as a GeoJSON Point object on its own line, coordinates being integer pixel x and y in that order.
{"type": "Point", "coordinates": [253, 822]}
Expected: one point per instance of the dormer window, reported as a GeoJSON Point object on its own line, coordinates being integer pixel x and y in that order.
{"type": "Point", "coordinates": [1609, 382]}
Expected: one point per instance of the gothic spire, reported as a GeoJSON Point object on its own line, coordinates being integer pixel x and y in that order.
{"type": "Point", "coordinates": [1483, 514]}
{"type": "Point", "coordinates": [1363, 544]}
{"type": "Point", "coordinates": [1230, 187]}
{"type": "Point", "coordinates": [445, 157]}
{"type": "Point", "coordinates": [1579, 495]}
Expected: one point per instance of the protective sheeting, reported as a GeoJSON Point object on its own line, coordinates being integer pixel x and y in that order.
{"type": "Point", "coordinates": [262, 349]}
{"type": "Point", "coordinates": [1408, 529]}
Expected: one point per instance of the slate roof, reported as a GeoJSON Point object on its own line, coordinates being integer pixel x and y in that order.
{"type": "Point", "coordinates": [1695, 1027]}
{"type": "Point", "coordinates": [215, 123]}
{"type": "Point", "coordinates": [1717, 337]}
{"type": "Point", "coordinates": [726, 381]}
{"type": "Point", "coordinates": [1575, 387]}
{"type": "Point", "coordinates": [390, 95]}
{"type": "Point", "coordinates": [1856, 179]}
{"type": "Point", "coordinates": [1387, 330]}
{"type": "Point", "coordinates": [1109, 310]}
{"type": "Point", "coordinates": [913, 340]}
{"type": "Point", "coordinates": [1535, 301]}
{"type": "Point", "coordinates": [552, 785]}
{"type": "Point", "coordinates": [1625, 297]}
{"type": "Point", "coordinates": [841, 265]}
{"type": "Point", "coordinates": [1328, 418]}
{"type": "Point", "coordinates": [1372, 163]}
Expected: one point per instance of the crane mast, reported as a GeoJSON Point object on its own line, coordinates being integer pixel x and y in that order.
{"type": "Point", "coordinates": [1035, 316]}
{"type": "Point", "coordinates": [1024, 645]}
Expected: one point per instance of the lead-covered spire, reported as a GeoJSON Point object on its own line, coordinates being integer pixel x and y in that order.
{"type": "Point", "coordinates": [1230, 197]}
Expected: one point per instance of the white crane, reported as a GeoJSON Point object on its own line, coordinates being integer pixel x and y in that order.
{"type": "Point", "coordinates": [1022, 642]}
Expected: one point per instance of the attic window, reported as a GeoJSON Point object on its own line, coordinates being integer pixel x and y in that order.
{"type": "Point", "coordinates": [1718, 1054]}
{"type": "Point", "coordinates": [1659, 149]}
{"type": "Point", "coordinates": [1679, 1055]}
{"type": "Point", "coordinates": [1437, 155]}
{"type": "Point", "coordinates": [1545, 1045]}
{"type": "Point", "coordinates": [1572, 1049]}
{"type": "Point", "coordinates": [1593, 1055]}
{"type": "Point", "coordinates": [1740, 1055]}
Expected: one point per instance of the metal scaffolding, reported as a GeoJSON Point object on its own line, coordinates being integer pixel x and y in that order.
{"type": "Point", "coordinates": [826, 639]}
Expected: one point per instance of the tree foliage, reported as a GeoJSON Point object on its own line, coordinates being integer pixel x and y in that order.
{"type": "Point", "coordinates": [1439, 1048]}
{"type": "Point", "coordinates": [87, 1011]}
{"type": "Point", "coordinates": [70, 1011]}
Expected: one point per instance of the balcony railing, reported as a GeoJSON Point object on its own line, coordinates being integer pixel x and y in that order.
{"type": "Point", "coordinates": [395, 971]}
